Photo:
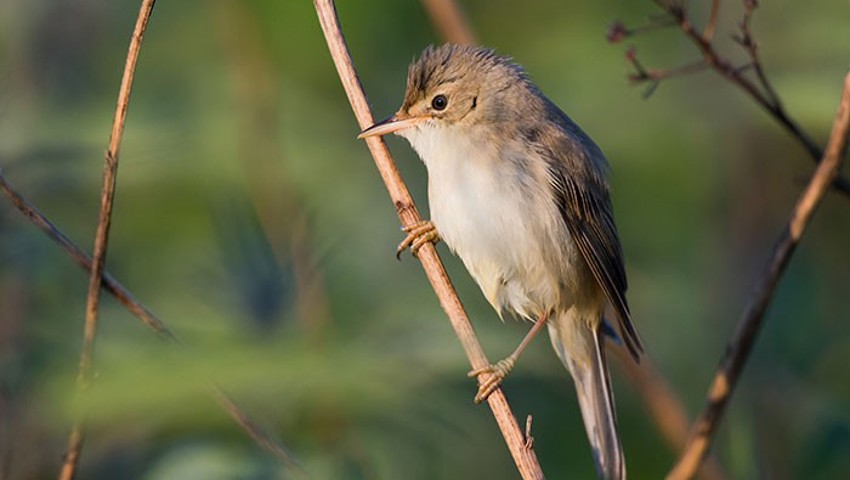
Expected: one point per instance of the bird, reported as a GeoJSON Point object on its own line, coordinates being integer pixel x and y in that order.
{"type": "Point", "coordinates": [520, 193]}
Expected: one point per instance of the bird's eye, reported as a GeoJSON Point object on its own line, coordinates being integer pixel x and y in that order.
{"type": "Point", "coordinates": [439, 102]}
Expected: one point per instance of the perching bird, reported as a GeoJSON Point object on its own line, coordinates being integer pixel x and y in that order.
{"type": "Point", "coordinates": [520, 193]}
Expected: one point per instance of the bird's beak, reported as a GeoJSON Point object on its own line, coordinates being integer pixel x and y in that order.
{"type": "Point", "coordinates": [391, 125]}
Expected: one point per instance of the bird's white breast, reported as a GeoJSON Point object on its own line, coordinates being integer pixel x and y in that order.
{"type": "Point", "coordinates": [495, 211]}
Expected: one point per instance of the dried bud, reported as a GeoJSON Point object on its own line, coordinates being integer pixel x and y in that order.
{"type": "Point", "coordinates": [617, 31]}
{"type": "Point", "coordinates": [631, 54]}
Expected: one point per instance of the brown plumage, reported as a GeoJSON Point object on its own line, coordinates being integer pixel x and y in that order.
{"type": "Point", "coordinates": [520, 193]}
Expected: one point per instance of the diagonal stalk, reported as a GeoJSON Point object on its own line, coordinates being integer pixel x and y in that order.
{"type": "Point", "coordinates": [101, 241]}
{"type": "Point", "coordinates": [737, 352]}
{"type": "Point", "coordinates": [522, 452]}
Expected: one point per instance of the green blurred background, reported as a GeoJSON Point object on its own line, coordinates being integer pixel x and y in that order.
{"type": "Point", "coordinates": [254, 224]}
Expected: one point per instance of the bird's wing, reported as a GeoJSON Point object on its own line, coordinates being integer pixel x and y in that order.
{"type": "Point", "coordinates": [576, 171]}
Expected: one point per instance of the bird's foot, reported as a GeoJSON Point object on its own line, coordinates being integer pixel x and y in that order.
{"type": "Point", "coordinates": [497, 371]}
{"type": "Point", "coordinates": [418, 234]}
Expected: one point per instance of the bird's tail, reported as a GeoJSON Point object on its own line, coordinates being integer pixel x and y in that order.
{"type": "Point", "coordinates": [581, 348]}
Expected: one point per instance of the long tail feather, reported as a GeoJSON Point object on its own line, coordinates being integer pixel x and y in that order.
{"type": "Point", "coordinates": [581, 348]}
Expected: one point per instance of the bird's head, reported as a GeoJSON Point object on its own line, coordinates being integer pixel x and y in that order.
{"type": "Point", "coordinates": [454, 85]}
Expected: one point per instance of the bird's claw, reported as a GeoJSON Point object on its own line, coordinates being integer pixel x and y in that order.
{"type": "Point", "coordinates": [418, 234]}
{"type": "Point", "coordinates": [497, 372]}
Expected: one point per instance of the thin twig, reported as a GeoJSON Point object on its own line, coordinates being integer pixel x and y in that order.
{"type": "Point", "coordinates": [80, 258]}
{"type": "Point", "coordinates": [260, 436]}
{"type": "Point", "coordinates": [746, 40]}
{"type": "Point", "coordinates": [739, 348]}
{"type": "Point", "coordinates": [149, 319]}
{"type": "Point", "coordinates": [447, 16]}
{"type": "Point", "coordinates": [525, 458]}
{"type": "Point", "coordinates": [618, 31]}
{"type": "Point", "coordinates": [655, 76]}
{"type": "Point", "coordinates": [101, 241]}
{"type": "Point", "coordinates": [708, 32]}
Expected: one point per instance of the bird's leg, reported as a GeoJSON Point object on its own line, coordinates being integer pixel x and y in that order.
{"type": "Point", "coordinates": [418, 234]}
{"type": "Point", "coordinates": [500, 369]}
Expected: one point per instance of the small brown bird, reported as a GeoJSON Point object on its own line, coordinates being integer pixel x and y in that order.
{"type": "Point", "coordinates": [520, 193]}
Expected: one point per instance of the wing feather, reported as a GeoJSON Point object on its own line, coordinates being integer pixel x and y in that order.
{"type": "Point", "coordinates": [576, 170]}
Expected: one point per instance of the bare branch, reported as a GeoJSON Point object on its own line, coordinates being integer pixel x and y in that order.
{"type": "Point", "coordinates": [449, 20]}
{"type": "Point", "coordinates": [260, 437]}
{"type": "Point", "coordinates": [80, 258]}
{"type": "Point", "coordinates": [618, 31]}
{"type": "Point", "coordinates": [762, 93]}
{"type": "Point", "coordinates": [708, 32]}
{"type": "Point", "coordinates": [101, 241]}
{"type": "Point", "coordinates": [655, 76]}
{"type": "Point", "coordinates": [739, 348]}
{"type": "Point", "coordinates": [748, 42]}
{"type": "Point", "coordinates": [525, 458]}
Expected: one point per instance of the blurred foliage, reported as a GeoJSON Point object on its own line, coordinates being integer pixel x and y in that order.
{"type": "Point", "coordinates": [251, 220]}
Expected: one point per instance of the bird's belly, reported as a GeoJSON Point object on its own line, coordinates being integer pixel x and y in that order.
{"type": "Point", "coordinates": [501, 238]}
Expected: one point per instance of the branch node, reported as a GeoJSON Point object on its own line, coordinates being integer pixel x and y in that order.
{"type": "Point", "coordinates": [529, 440]}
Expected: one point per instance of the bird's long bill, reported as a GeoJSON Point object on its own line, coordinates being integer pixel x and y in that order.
{"type": "Point", "coordinates": [390, 125]}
